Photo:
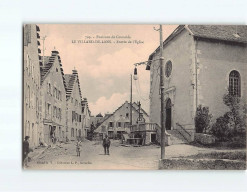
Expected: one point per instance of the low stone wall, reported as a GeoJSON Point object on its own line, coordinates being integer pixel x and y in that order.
{"type": "Point", "coordinates": [204, 138]}
{"type": "Point", "coordinates": [201, 164]}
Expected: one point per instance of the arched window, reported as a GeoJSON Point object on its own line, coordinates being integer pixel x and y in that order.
{"type": "Point", "coordinates": [234, 83]}
{"type": "Point", "coordinates": [168, 68]}
{"type": "Point", "coordinates": [168, 103]}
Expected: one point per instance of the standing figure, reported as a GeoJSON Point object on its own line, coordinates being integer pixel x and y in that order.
{"type": "Point", "coordinates": [106, 144]}
{"type": "Point", "coordinates": [26, 150]}
{"type": "Point", "coordinates": [78, 148]}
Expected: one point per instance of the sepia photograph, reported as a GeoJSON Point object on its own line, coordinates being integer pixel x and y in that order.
{"type": "Point", "coordinates": [134, 97]}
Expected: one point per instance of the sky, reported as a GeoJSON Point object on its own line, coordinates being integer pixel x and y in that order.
{"type": "Point", "coordinates": [104, 68]}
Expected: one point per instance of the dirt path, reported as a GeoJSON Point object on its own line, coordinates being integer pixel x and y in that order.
{"type": "Point", "coordinates": [92, 156]}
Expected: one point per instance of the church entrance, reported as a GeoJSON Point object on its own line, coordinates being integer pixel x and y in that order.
{"type": "Point", "coordinates": [168, 114]}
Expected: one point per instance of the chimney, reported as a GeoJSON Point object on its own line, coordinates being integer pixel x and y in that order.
{"type": "Point", "coordinates": [54, 53]}
{"type": "Point", "coordinates": [75, 71]}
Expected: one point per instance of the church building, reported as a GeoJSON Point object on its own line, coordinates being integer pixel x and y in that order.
{"type": "Point", "coordinates": [201, 63]}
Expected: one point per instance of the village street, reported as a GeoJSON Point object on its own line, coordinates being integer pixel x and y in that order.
{"type": "Point", "coordinates": [63, 156]}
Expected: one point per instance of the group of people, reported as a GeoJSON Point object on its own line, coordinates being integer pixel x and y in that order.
{"type": "Point", "coordinates": [26, 149]}
{"type": "Point", "coordinates": [106, 144]}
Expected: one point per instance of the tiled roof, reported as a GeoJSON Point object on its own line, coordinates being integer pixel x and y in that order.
{"type": "Point", "coordinates": [99, 115]}
{"type": "Point", "coordinates": [47, 66]}
{"type": "Point", "coordinates": [70, 79]}
{"type": "Point", "coordinates": [133, 106]}
{"type": "Point", "coordinates": [236, 33]}
{"type": "Point", "coordinates": [48, 63]}
{"type": "Point", "coordinates": [230, 33]}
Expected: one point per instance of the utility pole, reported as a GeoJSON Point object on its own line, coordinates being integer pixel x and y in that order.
{"type": "Point", "coordinates": [131, 99]}
{"type": "Point", "coordinates": [162, 89]}
{"type": "Point", "coordinates": [139, 109]}
{"type": "Point", "coordinates": [43, 39]}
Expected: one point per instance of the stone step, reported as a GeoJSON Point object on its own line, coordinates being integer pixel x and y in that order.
{"type": "Point", "coordinates": [176, 137]}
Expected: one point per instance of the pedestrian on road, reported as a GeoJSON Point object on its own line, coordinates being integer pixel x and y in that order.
{"type": "Point", "coordinates": [26, 150]}
{"type": "Point", "coordinates": [106, 144]}
{"type": "Point", "coordinates": [78, 148]}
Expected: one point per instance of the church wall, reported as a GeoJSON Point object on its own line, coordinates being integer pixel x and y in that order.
{"type": "Point", "coordinates": [215, 62]}
{"type": "Point", "coordinates": [179, 85]}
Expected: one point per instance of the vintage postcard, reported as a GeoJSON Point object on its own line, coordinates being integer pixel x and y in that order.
{"type": "Point", "coordinates": [134, 97]}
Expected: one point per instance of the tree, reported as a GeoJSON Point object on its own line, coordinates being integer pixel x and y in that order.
{"type": "Point", "coordinates": [202, 119]}
{"type": "Point", "coordinates": [237, 113]}
{"type": "Point", "coordinates": [232, 125]}
{"type": "Point", "coordinates": [220, 128]}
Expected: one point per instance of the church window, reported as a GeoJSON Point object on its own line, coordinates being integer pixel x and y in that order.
{"type": "Point", "coordinates": [168, 68]}
{"type": "Point", "coordinates": [234, 83]}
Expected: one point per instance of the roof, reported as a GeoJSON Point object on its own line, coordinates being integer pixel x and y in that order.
{"type": "Point", "coordinates": [84, 104]}
{"type": "Point", "coordinates": [234, 33]}
{"type": "Point", "coordinates": [70, 80]}
{"type": "Point", "coordinates": [135, 105]}
{"type": "Point", "coordinates": [109, 115]}
{"type": "Point", "coordinates": [48, 63]}
{"type": "Point", "coordinates": [230, 33]}
{"type": "Point", "coordinates": [99, 115]}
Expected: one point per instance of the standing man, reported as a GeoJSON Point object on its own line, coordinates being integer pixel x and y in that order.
{"type": "Point", "coordinates": [26, 150]}
{"type": "Point", "coordinates": [106, 144]}
{"type": "Point", "coordinates": [78, 147]}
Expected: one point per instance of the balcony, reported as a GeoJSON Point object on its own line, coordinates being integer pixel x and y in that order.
{"type": "Point", "coordinates": [144, 127]}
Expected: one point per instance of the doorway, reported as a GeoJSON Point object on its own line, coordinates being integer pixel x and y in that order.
{"type": "Point", "coordinates": [153, 137]}
{"type": "Point", "coordinates": [168, 114]}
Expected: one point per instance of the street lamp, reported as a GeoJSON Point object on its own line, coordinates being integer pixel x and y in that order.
{"type": "Point", "coordinates": [162, 89]}
{"type": "Point", "coordinates": [135, 74]}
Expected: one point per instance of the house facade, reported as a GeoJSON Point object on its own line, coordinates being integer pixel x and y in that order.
{"type": "Point", "coordinates": [96, 120]}
{"type": "Point", "coordinates": [119, 121]}
{"type": "Point", "coordinates": [53, 95]}
{"type": "Point", "coordinates": [86, 116]}
{"type": "Point", "coordinates": [74, 119]}
{"type": "Point", "coordinates": [201, 63]}
{"type": "Point", "coordinates": [31, 84]}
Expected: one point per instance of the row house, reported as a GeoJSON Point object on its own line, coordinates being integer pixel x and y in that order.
{"type": "Point", "coordinates": [52, 102]}
{"type": "Point", "coordinates": [86, 117]}
{"type": "Point", "coordinates": [118, 123]}
{"type": "Point", "coordinates": [73, 107]}
{"type": "Point", "coordinates": [53, 95]}
{"type": "Point", "coordinates": [31, 84]}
